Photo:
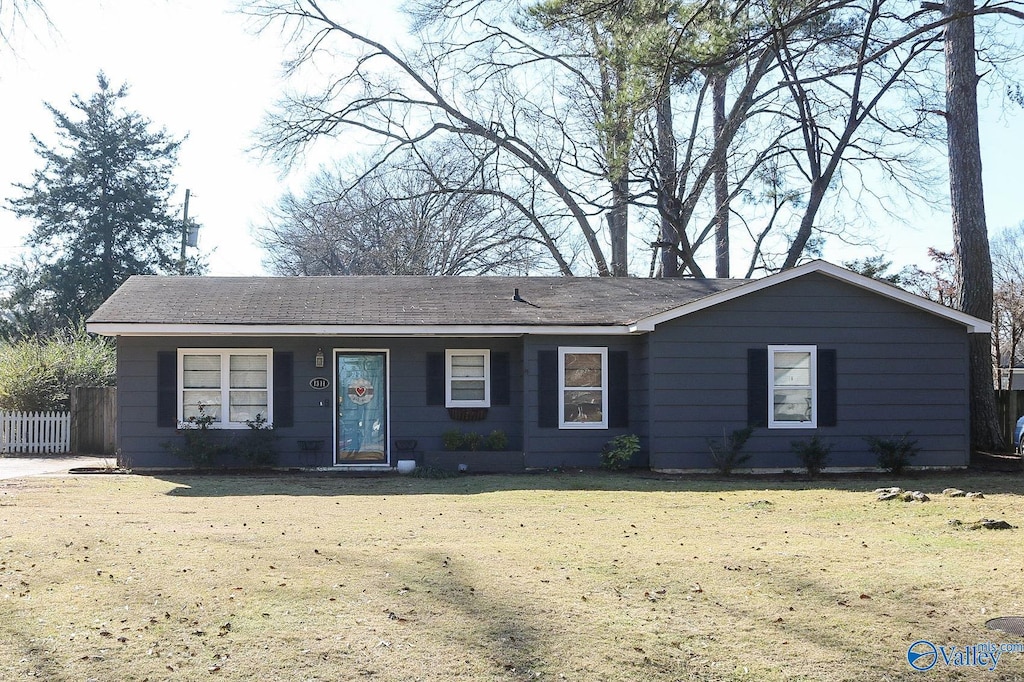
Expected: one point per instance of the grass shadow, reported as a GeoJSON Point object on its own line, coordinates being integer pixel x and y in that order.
{"type": "Point", "coordinates": [221, 485]}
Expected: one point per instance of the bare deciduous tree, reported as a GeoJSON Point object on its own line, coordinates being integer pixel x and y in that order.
{"type": "Point", "coordinates": [16, 13]}
{"type": "Point", "coordinates": [689, 119]}
{"type": "Point", "coordinates": [441, 93]}
{"type": "Point", "coordinates": [394, 221]}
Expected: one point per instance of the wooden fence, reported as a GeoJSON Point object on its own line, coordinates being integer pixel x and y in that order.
{"type": "Point", "coordinates": [94, 420]}
{"type": "Point", "coordinates": [35, 432]}
{"type": "Point", "coordinates": [89, 428]}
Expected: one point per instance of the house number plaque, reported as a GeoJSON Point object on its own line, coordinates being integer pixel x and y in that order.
{"type": "Point", "coordinates": [319, 383]}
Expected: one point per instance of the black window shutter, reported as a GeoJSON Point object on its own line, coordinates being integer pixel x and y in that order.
{"type": "Point", "coordinates": [827, 393]}
{"type": "Point", "coordinates": [757, 387]}
{"type": "Point", "coordinates": [284, 389]}
{"type": "Point", "coordinates": [618, 389]}
{"type": "Point", "coordinates": [167, 388]}
{"type": "Point", "coordinates": [547, 389]}
{"type": "Point", "coordinates": [435, 378]}
{"type": "Point", "coordinates": [501, 379]}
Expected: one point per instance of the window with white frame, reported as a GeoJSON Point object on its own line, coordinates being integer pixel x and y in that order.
{"type": "Point", "coordinates": [792, 381]}
{"type": "Point", "coordinates": [232, 386]}
{"type": "Point", "coordinates": [467, 378]}
{"type": "Point", "coordinates": [583, 387]}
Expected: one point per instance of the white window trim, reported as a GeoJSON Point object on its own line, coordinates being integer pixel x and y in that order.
{"type": "Point", "coordinates": [462, 352]}
{"type": "Point", "coordinates": [787, 424]}
{"type": "Point", "coordinates": [588, 350]}
{"type": "Point", "coordinates": [225, 383]}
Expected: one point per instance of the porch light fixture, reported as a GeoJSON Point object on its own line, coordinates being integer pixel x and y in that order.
{"type": "Point", "coordinates": [319, 357]}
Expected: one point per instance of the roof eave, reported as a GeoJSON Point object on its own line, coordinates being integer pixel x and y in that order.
{"type": "Point", "coordinates": [379, 330]}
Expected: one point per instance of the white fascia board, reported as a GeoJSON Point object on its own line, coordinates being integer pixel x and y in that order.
{"type": "Point", "coordinates": [382, 330]}
{"type": "Point", "coordinates": [974, 325]}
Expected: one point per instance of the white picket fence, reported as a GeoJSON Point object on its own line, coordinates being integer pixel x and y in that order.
{"type": "Point", "coordinates": [35, 432]}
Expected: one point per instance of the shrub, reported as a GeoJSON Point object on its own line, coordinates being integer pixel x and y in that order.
{"type": "Point", "coordinates": [728, 454]}
{"type": "Point", "coordinates": [813, 454]}
{"type": "Point", "coordinates": [472, 441]}
{"type": "Point", "coordinates": [893, 453]}
{"type": "Point", "coordinates": [257, 446]}
{"type": "Point", "coordinates": [453, 439]}
{"type": "Point", "coordinates": [432, 472]}
{"type": "Point", "coordinates": [496, 440]}
{"type": "Point", "coordinates": [617, 453]}
{"type": "Point", "coordinates": [39, 374]}
{"type": "Point", "coordinates": [201, 448]}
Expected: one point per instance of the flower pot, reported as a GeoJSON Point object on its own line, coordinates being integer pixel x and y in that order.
{"type": "Point", "coordinates": [406, 466]}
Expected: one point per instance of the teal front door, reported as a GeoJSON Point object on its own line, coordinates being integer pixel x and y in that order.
{"type": "Point", "coordinates": [362, 407]}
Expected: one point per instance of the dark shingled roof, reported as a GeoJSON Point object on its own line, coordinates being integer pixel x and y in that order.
{"type": "Point", "coordinates": [369, 300]}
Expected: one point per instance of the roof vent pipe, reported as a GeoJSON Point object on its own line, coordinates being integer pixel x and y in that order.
{"type": "Point", "coordinates": [519, 299]}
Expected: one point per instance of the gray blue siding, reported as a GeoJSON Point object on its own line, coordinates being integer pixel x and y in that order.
{"type": "Point", "coordinates": [141, 441]}
{"type": "Point", "coordinates": [553, 447]}
{"type": "Point", "coordinates": [899, 370]}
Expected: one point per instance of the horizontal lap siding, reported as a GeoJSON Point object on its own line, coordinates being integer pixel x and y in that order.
{"type": "Point", "coordinates": [899, 370]}
{"type": "Point", "coordinates": [141, 440]}
{"type": "Point", "coordinates": [555, 447]}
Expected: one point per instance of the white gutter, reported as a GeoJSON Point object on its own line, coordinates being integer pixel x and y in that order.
{"type": "Point", "coordinates": [379, 330]}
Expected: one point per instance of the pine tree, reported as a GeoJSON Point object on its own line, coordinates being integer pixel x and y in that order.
{"type": "Point", "coordinates": [970, 231]}
{"type": "Point", "coordinates": [101, 213]}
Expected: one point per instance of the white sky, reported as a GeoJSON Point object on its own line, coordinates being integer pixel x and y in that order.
{"type": "Point", "coordinates": [194, 67]}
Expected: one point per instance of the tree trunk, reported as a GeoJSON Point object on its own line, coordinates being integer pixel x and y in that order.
{"type": "Point", "coordinates": [970, 233]}
{"type": "Point", "coordinates": [618, 226]}
{"type": "Point", "coordinates": [803, 234]}
{"type": "Point", "coordinates": [721, 181]}
{"type": "Point", "coordinates": [667, 181]}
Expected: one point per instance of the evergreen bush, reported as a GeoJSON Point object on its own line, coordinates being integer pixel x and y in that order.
{"type": "Point", "coordinates": [617, 453]}
{"type": "Point", "coordinates": [813, 454]}
{"type": "Point", "coordinates": [39, 374]}
{"type": "Point", "coordinates": [729, 454]}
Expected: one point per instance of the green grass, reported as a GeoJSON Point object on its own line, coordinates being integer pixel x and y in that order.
{"type": "Point", "coordinates": [577, 576]}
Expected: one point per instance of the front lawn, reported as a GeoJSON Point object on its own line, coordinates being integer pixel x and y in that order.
{"type": "Point", "coordinates": [574, 576]}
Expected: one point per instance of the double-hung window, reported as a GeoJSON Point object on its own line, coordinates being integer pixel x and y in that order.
{"type": "Point", "coordinates": [467, 378]}
{"type": "Point", "coordinates": [231, 386]}
{"type": "Point", "coordinates": [583, 387]}
{"type": "Point", "coordinates": [792, 387]}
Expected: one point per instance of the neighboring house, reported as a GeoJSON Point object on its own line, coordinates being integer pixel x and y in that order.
{"type": "Point", "coordinates": [1010, 378]}
{"type": "Point", "coordinates": [561, 365]}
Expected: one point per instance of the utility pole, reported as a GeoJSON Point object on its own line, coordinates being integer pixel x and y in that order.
{"type": "Point", "coordinates": [183, 261]}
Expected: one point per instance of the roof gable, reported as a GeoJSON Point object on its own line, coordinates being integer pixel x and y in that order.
{"type": "Point", "coordinates": [973, 324]}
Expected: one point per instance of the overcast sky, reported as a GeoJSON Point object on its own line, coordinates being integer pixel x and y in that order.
{"type": "Point", "coordinates": [197, 68]}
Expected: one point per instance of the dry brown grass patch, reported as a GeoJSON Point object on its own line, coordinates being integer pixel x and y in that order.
{"type": "Point", "coordinates": [564, 576]}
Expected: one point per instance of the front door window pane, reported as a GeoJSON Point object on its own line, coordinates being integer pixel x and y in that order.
{"type": "Point", "coordinates": [362, 419]}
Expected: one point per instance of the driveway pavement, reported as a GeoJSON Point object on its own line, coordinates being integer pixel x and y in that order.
{"type": "Point", "coordinates": [20, 466]}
